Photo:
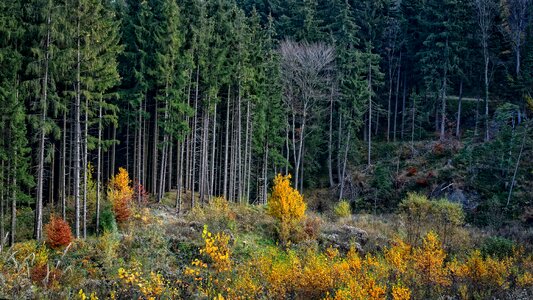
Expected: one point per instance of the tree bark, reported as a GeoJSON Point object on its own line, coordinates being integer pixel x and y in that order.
{"type": "Point", "coordinates": [403, 104]}
{"type": "Point", "coordinates": [99, 168]}
{"type": "Point", "coordinates": [517, 165]}
{"type": "Point", "coordinates": [444, 88]}
{"type": "Point", "coordinates": [38, 232]}
{"type": "Point", "coordinates": [13, 201]}
{"type": "Point", "coordinates": [369, 113]}
{"type": "Point", "coordinates": [342, 179]}
{"type": "Point", "coordinates": [459, 107]}
{"type": "Point", "coordinates": [397, 95]}
{"type": "Point", "coordinates": [77, 134]}
{"type": "Point", "coordinates": [330, 141]}
{"type": "Point", "coordinates": [226, 152]}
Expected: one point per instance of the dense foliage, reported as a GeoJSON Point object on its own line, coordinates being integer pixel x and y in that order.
{"type": "Point", "coordinates": [195, 261]}
{"type": "Point", "coordinates": [139, 122]}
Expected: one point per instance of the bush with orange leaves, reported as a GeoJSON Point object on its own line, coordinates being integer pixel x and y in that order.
{"type": "Point", "coordinates": [287, 206]}
{"type": "Point", "coordinates": [480, 277]}
{"type": "Point", "coordinates": [120, 193]}
{"type": "Point", "coordinates": [58, 233]}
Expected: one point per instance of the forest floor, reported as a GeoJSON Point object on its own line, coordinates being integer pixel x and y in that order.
{"type": "Point", "coordinates": [233, 251]}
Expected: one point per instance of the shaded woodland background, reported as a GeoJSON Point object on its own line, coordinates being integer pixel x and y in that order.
{"type": "Point", "coordinates": [359, 100]}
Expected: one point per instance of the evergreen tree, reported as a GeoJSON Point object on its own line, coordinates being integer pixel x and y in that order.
{"type": "Point", "coordinates": [14, 150]}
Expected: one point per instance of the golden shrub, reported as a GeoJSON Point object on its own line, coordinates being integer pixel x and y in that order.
{"type": "Point", "coordinates": [286, 205]}
{"type": "Point", "coordinates": [400, 292]}
{"type": "Point", "coordinates": [217, 248]}
{"type": "Point", "coordinates": [342, 209]}
{"type": "Point", "coordinates": [398, 256]}
{"type": "Point", "coordinates": [120, 193]}
{"type": "Point", "coordinates": [429, 262]}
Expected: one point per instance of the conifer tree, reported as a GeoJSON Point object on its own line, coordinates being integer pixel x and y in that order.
{"type": "Point", "coordinates": [14, 150]}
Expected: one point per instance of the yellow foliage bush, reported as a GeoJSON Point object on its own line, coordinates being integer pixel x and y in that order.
{"type": "Point", "coordinates": [211, 277]}
{"type": "Point", "coordinates": [342, 209]}
{"type": "Point", "coordinates": [286, 205]}
{"type": "Point", "coordinates": [120, 193]}
{"type": "Point", "coordinates": [422, 215]}
{"type": "Point", "coordinates": [400, 292]}
{"type": "Point", "coordinates": [151, 286]}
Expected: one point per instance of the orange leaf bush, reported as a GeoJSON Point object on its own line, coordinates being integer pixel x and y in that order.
{"type": "Point", "coordinates": [58, 233]}
{"type": "Point", "coordinates": [120, 193]}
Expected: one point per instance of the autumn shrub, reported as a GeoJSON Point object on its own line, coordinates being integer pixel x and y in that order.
{"type": "Point", "coordinates": [107, 249]}
{"type": "Point", "coordinates": [311, 227]}
{"type": "Point", "coordinates": [39, 271]}
{"type": "Point", "coordinates": [411, 171]}
{"type": "Point", "coordinates": [136, 284]}
{"type": "Point", "coordinates": [140, 193]}
{"type": "Point", "coordinates": [286, 205]}
{"type": "Point", "coordinates": [482, 277]}
{"type": "Point", "coordinates": [207, 273]}
{"type": "Point", "coordinates": [120, 193]}
{"type": "Point", "coordinates": [58, 233]}
{"type": "Point", "coordinates": [422, 215]}
{"type": "Point", "coordinates": [429, 261]}
{"type": "Point", "coordinates": [342, 209]}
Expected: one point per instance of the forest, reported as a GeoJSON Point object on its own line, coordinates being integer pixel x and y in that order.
{"type": "Point", "coordinates": [266, 149]}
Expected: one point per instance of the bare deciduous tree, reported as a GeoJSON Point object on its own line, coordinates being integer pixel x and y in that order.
{"type": "Point", "coordinates": [306, 74]}
{"type": "Point", "coordinates": [517, 14]}
{"type": "Point", "coordinates": [486, 12]}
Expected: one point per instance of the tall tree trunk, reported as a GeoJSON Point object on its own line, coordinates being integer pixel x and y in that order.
{"type": "Point", "coordinates": [139, 147]}
{"type": "Point", "coordinates": [389, 97]}
{"type": "Point", "coordinates": [155, 152]}
{"type": "Point", "coordinates": [459, 107]}
{"type": "Point", "coordinates": [195, 121]}
{"type": "Point", "coordinates": [517, 164]}
{"type": "Point", "coordinates": [112, 165]}
{"type": "Point", "coordinates": [38, 231]}
{"type": "Point", "coordinates": [476, 117]}
{"type": "Point", "coordinates": [249, 132]}
{"type": "Point", "coordinates": [369, 114]}
{"type": "Point", "coordinates": [164, 152]}
{"type": "Point", "coordinates": [99, 168]}
{"type": "Point", "coordinates": [63, 168]}
{"type": "Point", "coordinates": [239, 146]}
{"type": "Point", "coordinates": [486, 56]}
{"type": "Point", "coordinates": [339, 146]}
{"type": "Point", "coordinates": [397, 95]}
{"type": "Point", "coordinates": [444, 88]}
{"type": "Point", "coordinates": [179, 176]}
{"type": "Point", "coordinates": [413, 114]}
{"type": "Point", "coordinates": [330, 140]}
{"type": "Point", "coordinates": [170, 164]}
{"type": "Point", "coordinates": [13, 201]}
{"type": "Point", "coordinates": [265, 174]}
{"type": "Point", "coordinates": [345, 160]}
{"type": "Point", "coordinates": [246, 162]}
{"type": "Point", "coordinates": [3, 188]}
{"type": "Point", "coordinates": [77, 134]}
{"type": "Point", "coordinates": [226, 152]}
{"type": "Point", "coordinates": [213, 152]}
{"type": "Point", "coordinates": [403, 104]}
{"type": "Point", "coordinates": [85, 167]}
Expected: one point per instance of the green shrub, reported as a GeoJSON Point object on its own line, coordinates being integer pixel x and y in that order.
{"type": "Point", "coordinates": [107, 221]}
{"type": "Point", "coordinates": [342, 209]}
{"type": "Point", "coordinates": [497, 247]}
{"type": "Point", "coordinates": [422, 215]}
